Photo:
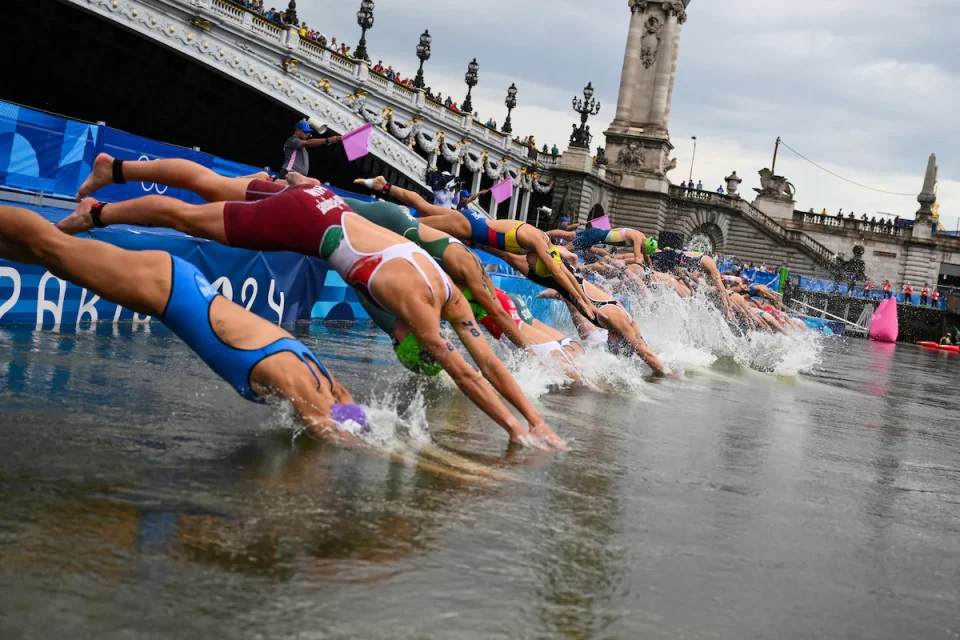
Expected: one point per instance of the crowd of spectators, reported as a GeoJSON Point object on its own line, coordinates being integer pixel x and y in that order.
{"type": "Point", "coordinates": [312, 35]}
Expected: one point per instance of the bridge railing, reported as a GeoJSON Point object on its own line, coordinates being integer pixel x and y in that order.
{"type": "Point", "coordinates": [828, 223]}
{"type": "Point", "coordinates": [710, 198]}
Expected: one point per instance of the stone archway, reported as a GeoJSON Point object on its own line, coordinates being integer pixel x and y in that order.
{"type": "Point", "coordinates": [596, 212]}
{"type": "Point", "coordinates": [706, 238]}
{"type": "Point", "coordinates": [705, 230]}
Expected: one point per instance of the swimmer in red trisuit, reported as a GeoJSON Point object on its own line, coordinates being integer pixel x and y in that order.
{"type": "Point", "coordinates": [394, 273]}
{"type": "Point", "coordinates": [518, 238]}
{"type": "Point", "coordinates": [460, 263]}
{"type": "Point", "coordinates": [258, 358]}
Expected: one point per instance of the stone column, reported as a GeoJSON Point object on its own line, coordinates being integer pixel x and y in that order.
{"type": "Point", "coordinates": [525, 206]}
{"type": "Point", "coordinates": [475, 185]}
{"type": "Point", "coordinates": [514, 201]}
{"type": "Point", "coordinates": [494, 205]}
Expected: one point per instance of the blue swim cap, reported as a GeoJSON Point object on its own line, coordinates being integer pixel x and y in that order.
{"type": "Point", "coordinates": [344, 412]}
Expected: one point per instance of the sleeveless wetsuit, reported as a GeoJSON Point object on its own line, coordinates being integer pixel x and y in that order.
{"type": "Point", "coordinates": [308, 219]}
{"type": "Point", "coordinates": [187, 314]}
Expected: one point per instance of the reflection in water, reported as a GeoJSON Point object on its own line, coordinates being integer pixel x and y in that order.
{"type": "Point", "coordinates": [139, 497]}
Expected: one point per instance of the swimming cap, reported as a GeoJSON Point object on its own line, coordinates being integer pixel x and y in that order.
{"type": "Point", "coordinates": [650, 246]}
{"type": "Point", "coordinates": [478, 312]}
{"type": "Point", "coordinates": [410, 354]}
{"type": "Point", "coordinates": [344, 412]}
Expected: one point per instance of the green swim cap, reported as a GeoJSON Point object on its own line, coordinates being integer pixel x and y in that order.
{"type": "Point", "coordinates": [478, 312]}
{"type": "Point", "coordinates": [650, 246]}
{"type": "Point", "coordinates": [411, 355]}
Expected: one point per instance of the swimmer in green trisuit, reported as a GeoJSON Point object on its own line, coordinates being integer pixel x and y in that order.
{"type": "Point", "coordinates": [398, 275]}
{"type": "Point", "coordinates": [515, 238]}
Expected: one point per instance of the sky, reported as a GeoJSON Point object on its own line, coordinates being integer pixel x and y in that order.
{"type": "Point", "coordinates": [866, 88]}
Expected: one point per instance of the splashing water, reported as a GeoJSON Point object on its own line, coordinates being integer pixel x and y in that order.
{"type": "Point", "coordinates": [693, 333]}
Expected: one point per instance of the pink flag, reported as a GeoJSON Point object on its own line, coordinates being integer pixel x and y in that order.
{"type": "Point", "coordinates": [357, 142]}
{"type": "Point", "coordinates": [603, 222]}
{"type": "Point", "coordinates": [502, 190]}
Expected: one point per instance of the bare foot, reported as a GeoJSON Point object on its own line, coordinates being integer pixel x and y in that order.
{"type": "Point", "coordinates": [376, 184]}
{"type": "Point", "coordinates": [80, 220]}
{"type": "Point", "coordinates": [295, 179]}
{"type": "Point", "coordinates": [100, 177]}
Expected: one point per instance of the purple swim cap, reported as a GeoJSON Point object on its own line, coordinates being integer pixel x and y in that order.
{"type": "Point", "coordinates": [344, 412]}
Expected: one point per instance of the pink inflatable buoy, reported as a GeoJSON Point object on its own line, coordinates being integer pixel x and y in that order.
{"type": "Point", "coordinates": [884, 326]}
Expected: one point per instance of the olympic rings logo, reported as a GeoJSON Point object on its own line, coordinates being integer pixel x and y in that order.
{"type": "Point", "coordinates": [150, 186]}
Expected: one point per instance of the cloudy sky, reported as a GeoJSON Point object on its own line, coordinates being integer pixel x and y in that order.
{"type": "Point", "coordinates": [866, 88]}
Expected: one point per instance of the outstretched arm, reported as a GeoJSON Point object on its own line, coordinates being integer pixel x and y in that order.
{"type": "Point", "coordinates": [321, 142]}
{"type": "Point", "coordinates": [409, 198]}
{"type": "Point", "coordinates": [561, 234]}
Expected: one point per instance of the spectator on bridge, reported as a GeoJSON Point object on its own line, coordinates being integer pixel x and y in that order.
{"type": "Point", "coordinates": [886, 290]}
{"type": "Point", "coordinates": [863, 218]}
{"type": "Point", "coordinates": [448, 102]}
{"type": "Point", "coordinates": [720, 189]}
{"type": "Point", "coordinates": [873, 221]}
{"type": "Point", "coordinates": [334, 46]}
{"type": "Point", "coordinates": [908, 293]}
{"type": "Point", "coordinates": [378, 68]}
{"type": "Point", "coordinates": [699, 185]}
{"type": "Point", "coordinates": [896, 221]}
{"type": "Point", "coordinates": [868, 290]}
{"type": "Point", "coordinates": [850, 216]}
{"type": "Point", "coordinates": [545, 148]}
{"type": "Point", "coordinates": [924, 294]}
{"type": "Point", "coordinates": [935, 299]}
{"type": "Point", "coordinates": [554, 150]}
{"type": "Point", "coordinates": [454, 107]}
{"type": "Point", "coordinates": [683, 185]}
{"type": "Point", "coordinates": [824, 212]}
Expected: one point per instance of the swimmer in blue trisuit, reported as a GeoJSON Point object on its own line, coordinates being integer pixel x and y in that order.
{"type": "Point", "coordinates": [621, 237]}
{"type": "Point", "coordinates": [259, 359]}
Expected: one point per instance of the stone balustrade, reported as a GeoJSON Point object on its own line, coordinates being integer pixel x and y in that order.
{"type": "Point", "coordinates": [313, 80]}
{"type": "Point", "coordinates": [828, 223]}
{"type": "Point", "coordinates": [713, 199]}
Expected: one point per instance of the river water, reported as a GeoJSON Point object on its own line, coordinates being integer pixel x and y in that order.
{"type": "Point", "coordinates": [800, 489]}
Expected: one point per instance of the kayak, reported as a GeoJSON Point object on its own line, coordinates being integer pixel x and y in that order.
{"type": "Point", "coordinates": [941, 347]}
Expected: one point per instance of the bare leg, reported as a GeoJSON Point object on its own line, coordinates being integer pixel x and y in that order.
{"type": "Point", "coordinates": [202, 221]}
{"type": "Point", "coordinates": [176, 173]}
{"type": "Point", "coordinates": [618, 322]}
{"type": "Point", "coordinates": [138, 280]}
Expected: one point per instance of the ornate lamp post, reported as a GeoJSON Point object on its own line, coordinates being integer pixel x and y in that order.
{"type": "Point", "coordinates": [423, 52]}
{"type": "Point", "coordinates": [511, 103]}
{"type": "Point", "coordinates": [471, 80]}
{"type": "Point", "coordinates": [365, 20]}
{"type": "Point", "coordinates": [292, 13]}
{"type": "Point", "coordinates": [587, 107]}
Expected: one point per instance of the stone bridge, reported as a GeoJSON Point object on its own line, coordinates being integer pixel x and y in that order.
{"type": "Point", "coordinates": [411, 134]}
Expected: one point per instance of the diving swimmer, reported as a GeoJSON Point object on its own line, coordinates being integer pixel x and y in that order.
{"type": "Point", "coordinates": [394, 273]}
{"type": "Point", "coordinates": [257, 358]}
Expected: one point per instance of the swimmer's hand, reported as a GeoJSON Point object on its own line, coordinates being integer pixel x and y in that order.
{"type": "Point", "coordinates": [545, 435]}
{"type": "Point", "coordinates": [374, 184]}
{"type": "Point", "coordinates": [549, 294]}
